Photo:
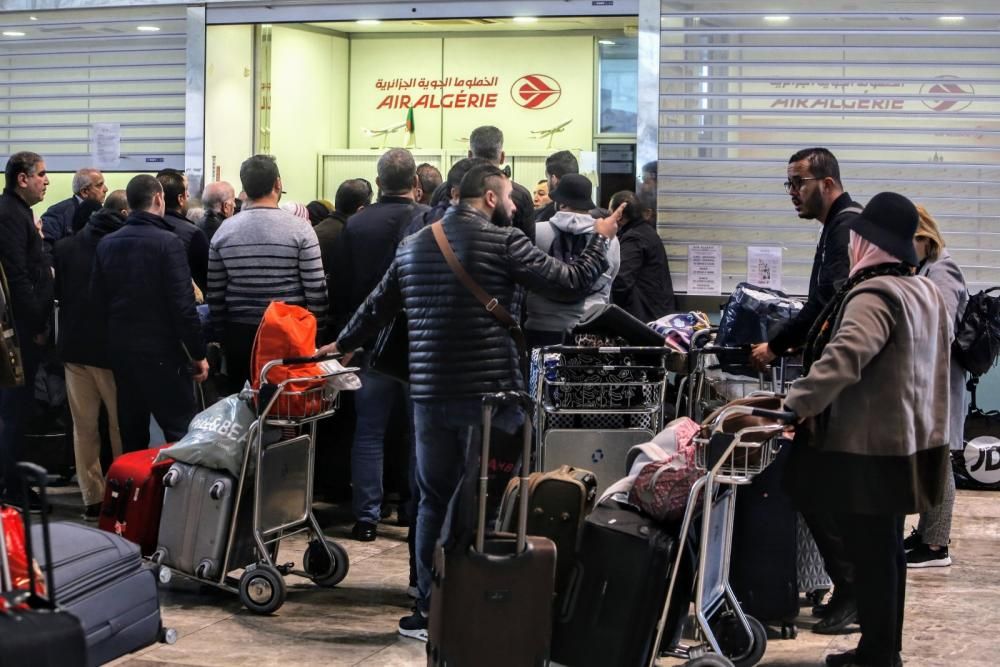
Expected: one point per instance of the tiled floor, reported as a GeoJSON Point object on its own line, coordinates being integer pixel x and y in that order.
{"type": "Point", "coordinates": [952, 614]}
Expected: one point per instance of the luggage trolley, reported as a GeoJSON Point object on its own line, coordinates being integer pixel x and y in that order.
{"type": "Point", "coordinates": [594, 403]}
{"type": "Point", "coordinates": [277, 472]}
{"type": "Point", "coordinates": [723, 634]}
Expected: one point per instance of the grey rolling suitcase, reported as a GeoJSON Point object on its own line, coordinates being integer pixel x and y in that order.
{"type": "Point", "coordinates": [100, 578]}
{"type": "Point", "coordinates": [813, 579]}
{"type": "Point", "coordinates": [194, 525]}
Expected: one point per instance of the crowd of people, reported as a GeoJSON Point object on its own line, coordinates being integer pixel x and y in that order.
{"type": "Point", "coordinates": [130, 270]}
{"type": "Point", "coordinates": [881, 402]}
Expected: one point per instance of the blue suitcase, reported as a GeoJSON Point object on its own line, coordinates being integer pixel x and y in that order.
{"type": "Point", "coordinates": [101, 579]}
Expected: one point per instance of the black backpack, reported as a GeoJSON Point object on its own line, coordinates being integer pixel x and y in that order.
{"type": "Point", "coordinates": [977, 335]}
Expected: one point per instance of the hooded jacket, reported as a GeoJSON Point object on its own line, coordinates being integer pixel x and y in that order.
{"type": "Point", "coordinates": [545, 314]}
{"type": "Point", "coordinates": [83, 333]}
{"type": "Point", "coordinates": [457, 348]}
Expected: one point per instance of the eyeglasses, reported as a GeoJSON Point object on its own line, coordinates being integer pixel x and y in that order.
{"type": "Point", "coordinates": [796, 183]}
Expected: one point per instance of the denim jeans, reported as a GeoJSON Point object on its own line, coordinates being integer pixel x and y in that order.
{"type": "Point", "coordinates": [373, 407]}
{"type": "Point", "coordinates": [15, 408]}
{"type": "Point", "coordinates": [448, 434]}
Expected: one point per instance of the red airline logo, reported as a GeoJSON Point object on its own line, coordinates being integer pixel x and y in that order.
{"type": "Point", "coordinates": [961, 94]}
{"type": "Point", "coordinates": [536, 91]}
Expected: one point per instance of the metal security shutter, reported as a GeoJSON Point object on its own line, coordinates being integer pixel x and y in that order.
{"type": "Point", "coordinates": [907, 102]}
{"type": "Point", "coordinates": [72, 69]}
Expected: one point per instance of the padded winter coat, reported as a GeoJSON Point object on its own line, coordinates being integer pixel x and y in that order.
{"type": "Point", "coordinates": [457, 348]}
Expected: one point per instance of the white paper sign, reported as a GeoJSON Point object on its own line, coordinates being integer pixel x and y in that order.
{"type": "Point", "coordinates": [704, 269]}
{"type": "Point", "coordinates": [764, 266]}
{"type": "Point", "coordinates": [105, 145]}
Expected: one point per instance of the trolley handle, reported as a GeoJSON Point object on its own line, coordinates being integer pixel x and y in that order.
{"type": "Point", "coordinates": [509, 398]}
{"type": "Point", "coordinates": [298, 361]}
{"type": "Point", "coordinates": [784, 416]}
{"type": "Point", "coordinates": [627, 349]}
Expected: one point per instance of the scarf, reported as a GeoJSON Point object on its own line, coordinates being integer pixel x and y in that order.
{"type": "Point", "coordinates": [822, 329]}
{"type": "Point", "coordinates": [865, 254]}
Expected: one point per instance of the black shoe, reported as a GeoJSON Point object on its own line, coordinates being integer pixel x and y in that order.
{"type": "Point", "coordinates": [850, 659]}
{"type": "Point", "coordinates": [402, 516]}
{"type": "Point", "coordinates": [92, 512]}
{"type": "Point", "coordinates": [414, 626]}
{"type": "Point", "coordinates": [823, 608]}
{"type": "Point", "coordinates": [924, 556]}
{"type": "Point", "coordinates": [837, 619]}
{"type": "Point", "coordinates": [364, 531]}
{"type": "Point", "coordinates": [912, 541]}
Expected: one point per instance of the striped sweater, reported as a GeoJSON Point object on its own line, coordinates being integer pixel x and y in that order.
{"type": "Point", "coordinates": [262, 255]}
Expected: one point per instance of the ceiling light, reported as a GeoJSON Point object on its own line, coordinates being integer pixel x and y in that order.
{"type": "Point", "coordinates": [33, 18]}
{"type": "Point", "coordinates": [12, 33]}
{"type": "Point", "coordinates": [777, 19]}
{"type": "Point", "coordinates": [525, 19]}
{"type": "Point", "coordinates": [605, 42]}
{"type": "Point", "coordinates": [368, 22]}
{"type": "Point", "coordinates": [951, 19]}
{"type": "Point", "coordinates": [265, 25]}
{"type": "Point", "coordinates": [148, 28]}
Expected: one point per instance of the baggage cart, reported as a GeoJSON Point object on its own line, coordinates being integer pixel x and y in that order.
{"type": "Point", "coordinates": [719, 625]}
{"type": "Point", "coordinates": [275, 487]}
{"type": "Point", "coordinates": [594, 403]}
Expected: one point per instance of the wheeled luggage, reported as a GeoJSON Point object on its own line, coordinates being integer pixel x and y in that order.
{"type": "Point", "coordinates": [617, 590]}
{"type": "Point", "coordinates": [32, 630]}
{"type": "Point", "coordinates": [764, 565]}
{"type": "Point", "coordinates": [558, 502]}
{"type": "Point", "coordinates": [133, 498]}
{"type": "Point", "coordinates": [812, 577]}
{"type": "Point", "coordinates": [194, 527]}
{"type": "Point", "coordinates": [503, 584]}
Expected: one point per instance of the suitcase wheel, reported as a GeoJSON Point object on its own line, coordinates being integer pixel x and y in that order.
{"type": "Point", "coordinates": [164, 575]}
{"type": "Point", "coordinates": [171, 478]}
{"type": "Point", "coordinates": [327, 565]}
{"type": "Point", "coordinates": [262, 589]}
{"type": "Point", "coordinates": [168, 636]}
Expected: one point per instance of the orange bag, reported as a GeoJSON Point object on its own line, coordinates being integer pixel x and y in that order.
{"type": "Point", "coordinates": [288, 331]}
{"type": "Point", "coordinates": [17, 552]}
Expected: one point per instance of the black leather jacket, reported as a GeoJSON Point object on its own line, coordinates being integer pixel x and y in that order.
{"type": "Point", "coordinates": [457, 348]}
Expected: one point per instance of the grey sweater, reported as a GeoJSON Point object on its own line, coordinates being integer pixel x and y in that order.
{"type": "Point", "coordinates": [262, 255]}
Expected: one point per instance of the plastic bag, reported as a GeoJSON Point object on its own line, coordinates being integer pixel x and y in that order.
{"type": "Point", "coordinates": [17, 552]}
{"type": "Point", "coordinates": [752, 315]}
{"type": "Point", "coordinates": [216, 437]}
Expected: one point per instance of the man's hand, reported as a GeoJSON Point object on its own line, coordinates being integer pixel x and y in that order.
{"type": "Point", "coordinates": [199, 370]}
{"type": "Point", "coordinates": [608, 227]}
{"type": "Point", "coordinates": [333, 348]}
{"type": "Point", "coordinates": [761, 356]}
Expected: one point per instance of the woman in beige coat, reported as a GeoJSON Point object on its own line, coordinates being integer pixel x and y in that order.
{"type": "Point", "coordinates": [874, 443]}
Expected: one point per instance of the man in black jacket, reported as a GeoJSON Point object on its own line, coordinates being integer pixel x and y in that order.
{"type": "Point", "coordinates": [364, 250]}
{"type": "Point", "coordinates": [175, 193]}
{"type": "Point", "coordinates": [142, 286]}
{"type": "Point", "coordinates": [29, 277]}
{"type": "Point", "coordinates": [57, 221]}
{"type": "Point", "coordinates": [83, 348]}
{"type": "Point", "coordinates": [458, 350]}
{"type": "Point", "coordinates": [817, 193]}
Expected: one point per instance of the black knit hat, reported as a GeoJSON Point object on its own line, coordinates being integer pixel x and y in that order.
{"type": "Point", "coordinates": [889, 221]}
{"type": "Point", "coordinates": [574, 191]}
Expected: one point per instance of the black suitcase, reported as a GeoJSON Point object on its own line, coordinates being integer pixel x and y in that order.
{"type": "Point", "coordinates": [502, 585]}
{"type": "Point", "coordinates": [41, 635]}
{"type": "Point", "coordinates": [610, 320]}
{"type": "Point", "coordinates": [764, 561]}
{"type": "Point", "coordinates": [617, 591]}
{"type": "Point", "coordinates": [101, 579]}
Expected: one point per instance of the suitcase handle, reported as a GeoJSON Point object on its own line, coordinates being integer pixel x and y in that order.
{"type": "Point", "coordinates": [489, 402]}
{"type": "Point", "coordinates": [30, 472]}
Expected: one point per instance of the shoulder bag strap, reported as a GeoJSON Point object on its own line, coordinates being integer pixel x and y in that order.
{"type": "Point", "coordinates": [490, 303]}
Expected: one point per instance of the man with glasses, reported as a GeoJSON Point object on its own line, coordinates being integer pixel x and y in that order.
{"type": "Point", "coordinates": [818, 194]}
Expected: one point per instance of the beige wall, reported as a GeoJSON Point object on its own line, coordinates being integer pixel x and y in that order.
{"type": "Point", "coordinates": [309, 89]}
{"type": "Point", "coordinates": [229, 101]}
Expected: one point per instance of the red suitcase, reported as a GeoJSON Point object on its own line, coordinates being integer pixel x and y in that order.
{"type": "Point", "coordinates": [133, 498]}
{"type": "Point", "coordinates": [504, 585]}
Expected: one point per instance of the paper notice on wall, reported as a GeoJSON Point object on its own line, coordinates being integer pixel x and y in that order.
{"type": "Point", "coordinates": [105, 145]}
{"type": "Point", "coordinates": [764, 266]}
{"type": "Point", "coordinates": [704, 269]}
{"type": "Point", "coordinates": [588, 162]}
